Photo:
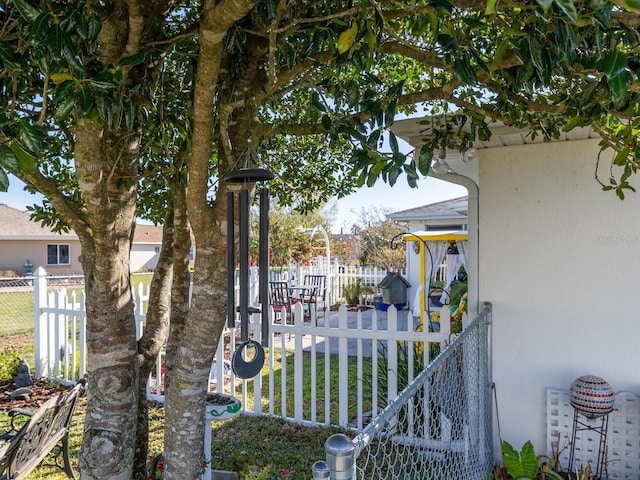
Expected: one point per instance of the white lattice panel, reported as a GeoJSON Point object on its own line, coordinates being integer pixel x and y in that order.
{"type": "Point", "coordinates": [623, 436]}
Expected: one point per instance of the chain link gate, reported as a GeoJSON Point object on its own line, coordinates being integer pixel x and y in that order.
{"type": "Point", "coordinates": [439, 427]}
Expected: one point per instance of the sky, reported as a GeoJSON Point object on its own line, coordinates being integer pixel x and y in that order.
{"type": "Point", "coordinates": [380, 196]}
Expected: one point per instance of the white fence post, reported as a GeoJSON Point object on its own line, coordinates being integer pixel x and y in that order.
{"type": "Point", "coordinates": [40, 322]}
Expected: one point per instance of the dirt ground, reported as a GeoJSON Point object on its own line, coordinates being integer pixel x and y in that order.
{"type": "Point", "coordinates": [42, 389]}
{"type": "Point", "coordinates": [17, 341]}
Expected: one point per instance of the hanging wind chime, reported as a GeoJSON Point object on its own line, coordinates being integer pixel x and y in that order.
{"type": "Point", "coordinates": [248, 359]}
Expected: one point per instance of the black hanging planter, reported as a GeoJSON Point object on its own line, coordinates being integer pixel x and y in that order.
{"type": "Point", "coordinates": [242, 367]}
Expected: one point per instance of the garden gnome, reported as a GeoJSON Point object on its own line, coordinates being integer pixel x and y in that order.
{"type": "Point", "coordinates": [23, 377]}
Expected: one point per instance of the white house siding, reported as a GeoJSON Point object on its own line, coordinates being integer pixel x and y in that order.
{"type": "Point", "coordinates": [144, 257]}
{"type": "Point", "coordinates": [559, 259]}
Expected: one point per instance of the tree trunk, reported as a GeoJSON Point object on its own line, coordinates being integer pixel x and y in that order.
{"type": "Point", "coordinates": [186, 393]}
{"type": "Point", "coordinates": [153, 338]}
{"type": "Point", "coordinates": [102, 164]}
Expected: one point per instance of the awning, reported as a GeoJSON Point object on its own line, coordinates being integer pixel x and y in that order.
{"type": "Point", "coordinates": [435, 235]}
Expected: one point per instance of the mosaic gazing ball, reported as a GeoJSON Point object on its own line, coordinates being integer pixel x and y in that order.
{"type": "Point", "coordinates": [592, 396]}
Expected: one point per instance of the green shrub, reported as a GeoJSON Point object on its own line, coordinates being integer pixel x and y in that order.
{"type": "Point", "coordinates": [9, 361]}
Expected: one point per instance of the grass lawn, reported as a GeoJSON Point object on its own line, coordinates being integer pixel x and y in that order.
{"type": "Point", "coordinates": [249, 445]}
{"type": "Point", "coordinates": [16, 312]}
{"type": "Point", "coordinates": [254, 446]}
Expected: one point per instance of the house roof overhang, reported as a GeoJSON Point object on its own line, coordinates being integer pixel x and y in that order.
{"type": "Point", "coordinates": [412, 131]}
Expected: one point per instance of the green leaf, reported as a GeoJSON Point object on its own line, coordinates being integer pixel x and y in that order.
{"type": "Point", "coordinates": [618, 87]}
{"type": "Point", "coordinates": [65, 107]}
{"type": "Point", "coordinates": [396, 90]}
{"type": "Point", "coordinates": [27, 11]}
{"type": "Point", "coordinates": [26, 161]}
{"type": "Point", "coordinates": [8, 57]}
{"type": "Point", "coordinates": [8, 159]}
{"type": "Point", "coordinates": [326, 122]}
{"type": "Point", "coordinates": [71, 56]}
{"type": "Point", "coordinates": [546, 6]}
{"type": "Point", "coordinates": [614, 63]}
{"type": "Point", "coordinates": [424, 159]}
{"type": "Point", "coordinates": [40, 28]}
{"type": "Point", "coordinates": [519, 465]}
{"type": "Point", "coordinates": [65, 90]}
{"type": "Point", "coordinates": [315, 100]}
{"type": "Point", "coordinates": [393, 142]}
{"type": "Point", "coordinates": [393, 176]}
{"type": "Point", "coordinates": [501, 52]}
{"type": "Point", "coordinates": [132, 61]}
{"type": "Point", "coordinates": [86, 100]}
{"type": "Point", "coordinates": [568, 7]}
{"type": "Point", "coordinates": [54, 43]}
{"type": "Point", "coordinates": [347, 38]}
{"type": "Point", "coordinates": [4, 181]}
{"type": "Point", "coordinates": [130, 115]}
{"type": "Point", "coordinates": [31, 136]}
{"type": "Point", "coordinates": [372, 178]}
{"type": "Point", "coordinates": [412, 175]}
{"type": "Point", "coordinates": [490, 9]}
{"type": "Point", "coordinates": [102, 85]}
{"type": "Point", "coordinates": [95, 26]}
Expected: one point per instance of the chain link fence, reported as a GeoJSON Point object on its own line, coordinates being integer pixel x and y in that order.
{"type": "Point", "coordinates": [17, 301]}
{"type": "Point", "coordinates": [440, 425]}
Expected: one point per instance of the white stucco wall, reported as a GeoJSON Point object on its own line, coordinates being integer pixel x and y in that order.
{"type": "Point", "coordinates": [143, 257]}
{"type": "Point", "coordinates": [560, 260]}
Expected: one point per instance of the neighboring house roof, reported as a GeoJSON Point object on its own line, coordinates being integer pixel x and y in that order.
{"type": "Point", "coordinates": [453, 209]}
{"type": "Point", "coordinates": [17, 225]}
{"type": "Point", "coordinates": [147, 234]}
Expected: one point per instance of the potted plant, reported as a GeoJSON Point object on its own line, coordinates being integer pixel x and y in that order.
{"type": "Point", "coordinates": [221, 407]}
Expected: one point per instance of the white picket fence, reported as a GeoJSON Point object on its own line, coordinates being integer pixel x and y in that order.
{"type": "Point", "coordinates": [370, 346]}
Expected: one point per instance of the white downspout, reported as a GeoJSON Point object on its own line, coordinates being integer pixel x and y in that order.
{"type": "Point", "coordinates": [473, 305]}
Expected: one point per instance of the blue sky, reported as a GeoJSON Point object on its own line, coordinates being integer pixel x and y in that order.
{"type": "Point", "coordinates": [381, 196]}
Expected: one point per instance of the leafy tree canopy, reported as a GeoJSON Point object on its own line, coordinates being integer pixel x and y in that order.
{"type": "Point", "coordinates": [321, 83]}
{"type": "Point", "coordinates": [103, 103]}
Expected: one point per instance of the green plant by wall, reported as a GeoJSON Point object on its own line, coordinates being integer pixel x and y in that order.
{"type": "Point", "coordinates": [525, 464]}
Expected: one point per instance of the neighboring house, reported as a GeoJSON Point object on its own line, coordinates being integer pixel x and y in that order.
{"type": "Point", "coordinates": [23, 241]}
{"type": "Point", "coordinates": [557, 257]}
{"type": "Point", "coordinates": [145, 248]}
{"type": "Point", "coordinates": [445, 215]}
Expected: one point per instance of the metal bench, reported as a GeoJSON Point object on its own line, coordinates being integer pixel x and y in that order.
{"type": "Point", "coordinates": [46, 430]}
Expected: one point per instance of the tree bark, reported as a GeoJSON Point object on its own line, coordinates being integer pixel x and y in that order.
{"type": "Point", "coordinates": [186, 393]}
{"type": "Point", "coordinates": [102, 162]}
{"type": "Point", "coordinates": [152, 340]}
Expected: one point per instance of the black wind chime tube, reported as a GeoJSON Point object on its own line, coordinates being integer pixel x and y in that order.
{"type": "Point", "coordinates": [264, 264]}
{"type": "Point", "coordinates": [231, 261]}
{"type": "Point", "coordinates": [243, 217]}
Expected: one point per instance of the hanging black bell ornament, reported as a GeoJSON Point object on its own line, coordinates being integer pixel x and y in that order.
{"type": "Point", "coordinates": [240, 364]}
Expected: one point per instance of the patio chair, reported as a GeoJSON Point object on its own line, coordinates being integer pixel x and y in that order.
{"type": "Point", "coordinates": [280, 301]}
{"type": "Point", "coordinates": [317, 294]}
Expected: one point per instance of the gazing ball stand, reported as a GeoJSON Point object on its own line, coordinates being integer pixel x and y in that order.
{"type": "Point", "coordinates": [591, 397]}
